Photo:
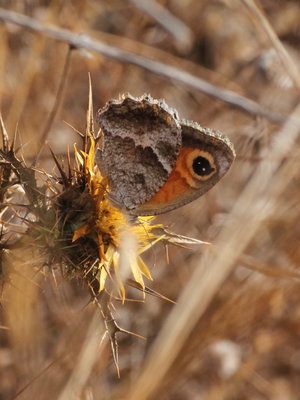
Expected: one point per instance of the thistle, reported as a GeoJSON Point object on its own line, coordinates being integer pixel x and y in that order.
{"type": "Point", "coordinates": [72, 222]}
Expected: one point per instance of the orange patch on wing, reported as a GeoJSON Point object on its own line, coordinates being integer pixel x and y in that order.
{"type": "Point", "coordinates": [179, 182]}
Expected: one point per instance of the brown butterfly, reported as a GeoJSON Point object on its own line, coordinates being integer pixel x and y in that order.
{"type": "Point", "coordinates": [155, 162]}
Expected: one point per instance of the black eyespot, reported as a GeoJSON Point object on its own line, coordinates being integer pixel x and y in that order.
{"type": "Point", "coordinates": [202, 166]}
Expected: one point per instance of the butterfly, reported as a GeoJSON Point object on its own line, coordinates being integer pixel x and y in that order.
{"type": "Point", "coordinates": [154, 161]}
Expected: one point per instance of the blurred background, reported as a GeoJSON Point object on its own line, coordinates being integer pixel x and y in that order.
{"type": "Point", "coordinates": [246, 343]}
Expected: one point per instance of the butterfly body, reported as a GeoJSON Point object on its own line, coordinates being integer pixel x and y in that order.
{"type": "Point", "coordinates": [155, 162]}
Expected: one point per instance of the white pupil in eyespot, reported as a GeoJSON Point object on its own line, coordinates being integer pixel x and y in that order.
{"type": "Point", "coordinates": [202, 166]}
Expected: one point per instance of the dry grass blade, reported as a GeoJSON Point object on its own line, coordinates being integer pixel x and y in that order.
{"type": "Point", "coordinates": [4, 134]}
{"type": "Point", "coordinates": [269, 270]}
{"type": "Point", "coordinates": [253, 206]}
{"type": "Point", "coordinates": [38, 376]}
{"type": "Point", "coordinates": [56, 105]}
{"type": "Point", "coordinates": [23, 89]}
{"type": "Point", "coordinates": [87, 357]}
{"type": "Point", "coordinates": [147, 290]}
{"type": "Point", "coordinates": [181, 32]}
{"type": "Point", "coordinates": [86, 42]}
{"type": "Point", "coordinates": [283, 55]}
{"type": "Point", "coordinates": [90, 113]}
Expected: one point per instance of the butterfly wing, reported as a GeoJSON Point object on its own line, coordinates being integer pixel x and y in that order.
{"type": "Point", "coordinates": [141, 142]}
{"type": "Point", "coordinates": [204, 158]}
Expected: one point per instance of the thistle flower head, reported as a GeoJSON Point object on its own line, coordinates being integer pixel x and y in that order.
{"type": "Point", "coordinates": [111, 226]}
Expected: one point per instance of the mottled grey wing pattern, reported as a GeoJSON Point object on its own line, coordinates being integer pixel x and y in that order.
{"type": "Point", "coordinates": [141, 142]}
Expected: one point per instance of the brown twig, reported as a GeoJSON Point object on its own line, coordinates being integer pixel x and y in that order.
{"type": "Point", "coordinates": [168, 71]}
